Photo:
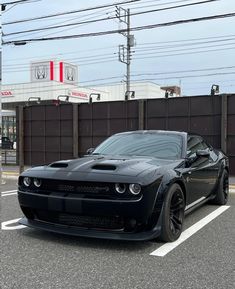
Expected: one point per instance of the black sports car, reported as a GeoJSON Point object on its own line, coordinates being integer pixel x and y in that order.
{"type": "Point", "coordinates": [134, 186]}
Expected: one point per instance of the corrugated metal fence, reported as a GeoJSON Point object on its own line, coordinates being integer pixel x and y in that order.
{"type": "Point", "coordinates": [48, 133]}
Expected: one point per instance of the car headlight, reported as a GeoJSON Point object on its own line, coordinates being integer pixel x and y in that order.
{"type": "Point", "coordinates": [120, 188]}
{"type": "Point", "coordinates": [135, 189]}
{"type": "Point", "coordinates": [37, 183]}
{"type": "Point", "coordinates": [27, 181]}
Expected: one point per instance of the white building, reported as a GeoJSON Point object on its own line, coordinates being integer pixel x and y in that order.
{"type": "Point", "coordinates": [53, 80]}
{"type": "Point", "coordinates": [23, 93]}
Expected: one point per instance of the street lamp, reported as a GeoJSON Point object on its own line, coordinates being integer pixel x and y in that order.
{"type": "Point", "coordinates": [59, 99]}
{"type": "Point", "coordinates": [32, 99]}
{"type": "Point", "coordinates": [129, 94]}
{"type": "Point", "coordinates": [98, 97]}
{"type": "Point", "coordinates": [214, 89]}
{"type": "Point", "coordinates": [66, 97]}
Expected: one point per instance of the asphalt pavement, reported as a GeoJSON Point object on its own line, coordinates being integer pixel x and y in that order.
{"type": "Point", "coordinates": [35, 259]}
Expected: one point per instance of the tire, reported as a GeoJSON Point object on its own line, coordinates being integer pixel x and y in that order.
{"type": "Point", "coordinates": [222, 191]}
{"type": "Point", "coordinates": [172, 214]}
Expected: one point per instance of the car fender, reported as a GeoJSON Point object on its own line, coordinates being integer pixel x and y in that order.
{"type": "Point", "coordinates": [168, 179]}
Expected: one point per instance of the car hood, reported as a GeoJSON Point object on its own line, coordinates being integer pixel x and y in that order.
{"type": "Point", "coordinates": [105, 168]}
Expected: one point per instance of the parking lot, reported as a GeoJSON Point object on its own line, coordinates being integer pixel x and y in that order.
{"type": "Point", "coordinates": [205, 258]}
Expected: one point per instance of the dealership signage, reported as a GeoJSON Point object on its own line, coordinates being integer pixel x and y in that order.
{"type": "Point", "coordinates": [54, 70]}
{"type": "Point", "coordinates": [68, 73]}
{"type": "Point", "coordinates": [42, 71]}
{"type": "Point", "coordinates": [7, 93]}
{"type": "Point", "coordinates": [78, 94]}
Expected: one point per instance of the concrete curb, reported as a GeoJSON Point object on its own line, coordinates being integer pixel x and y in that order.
{"type": "Point", "coordinates": [10, 176]}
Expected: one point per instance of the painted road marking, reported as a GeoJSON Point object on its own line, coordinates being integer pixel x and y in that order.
{"type": "Point", "coordinates": [8, 193]}
{"type": "Point", "coordinates": [168, 247]}
{"type": "Point", "coordinates": [12, 225]}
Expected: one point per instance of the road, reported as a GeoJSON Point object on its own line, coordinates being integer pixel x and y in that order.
{"type": "Point", "coordinates": [36, 259]}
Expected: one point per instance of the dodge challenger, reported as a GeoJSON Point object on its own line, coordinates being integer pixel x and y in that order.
{"type": "Point", "coordinates": [135, 185]}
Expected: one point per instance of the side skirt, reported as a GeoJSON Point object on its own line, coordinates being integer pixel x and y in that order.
{"type": "Point", "coordinates": [192, 207]}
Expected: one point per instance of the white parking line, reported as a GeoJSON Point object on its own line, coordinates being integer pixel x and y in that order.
{"type": "Point", "coordinates": [8, 225]}
{"type": "Point", "coordinates": [6, 192]}
{"type": "Point", "coordinates": [9, 193]}
{"type": "Point", "coordinates": [168, 247]}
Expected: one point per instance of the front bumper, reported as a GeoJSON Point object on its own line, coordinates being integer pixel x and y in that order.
{"type": "Point", "coordinates": [139, 209]}
{"type": "Point", "coordinates": [92, 233]}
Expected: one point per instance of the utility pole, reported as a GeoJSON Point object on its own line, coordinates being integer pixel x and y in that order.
{"type": "Point", "coordinates": [125, 51]}
{"type": "Point", "coordinates": [128, 66]}
{"type": "Point", "coordinates": [1, 181]}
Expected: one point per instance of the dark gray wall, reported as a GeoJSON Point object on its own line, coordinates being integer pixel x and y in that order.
{"type": "Point", "coordinates": [51, 134]}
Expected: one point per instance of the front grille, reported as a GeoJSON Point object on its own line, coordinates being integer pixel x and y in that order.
{"type": "Point", "coordinates": [76, 187]}
{"type": "Point", "coordinates": [94, 190]}
{"type": "Point", "coordinates": [100, 222]}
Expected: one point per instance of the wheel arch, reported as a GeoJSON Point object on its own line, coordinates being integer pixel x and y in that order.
{"type": "Point", "coordinates": [226, 169]}
{"type": "Point", "coordinates": [183, 188]}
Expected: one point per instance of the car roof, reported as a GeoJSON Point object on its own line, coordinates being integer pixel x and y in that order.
{"type": "Point", "coordinates": [154, 132]}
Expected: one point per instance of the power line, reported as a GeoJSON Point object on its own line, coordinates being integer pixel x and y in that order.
{"type": "Point", "coordinates": [203, 82]}
{"type": "Point", "coordinates": [61, 54]}
{"type": "Point", "coordinates": [98, 59]}
{"type": "Point", "coordinates": [188, 76]}
{"type": "Point", "coordinates": [139, 44]}
{"type": "Point", "coordinates": [86, 17]}
{"type": "Point", "coordinates": [160, 4]}
{"type": "Point", "coordinates": [107, 18]}
{"type": "Point", "coordinates": [149, 48]}
{"type": "Point", "coordinates": [70, 12]}
{"type": "Point", "coordinates": [109, 32]}
{"type": "Point", "coordinates": [16, 2]}
{"type": "Point", "coordinates": [185, 40]}
{"type": "Point", "coordinates": [105, 60]}
{"type": "Point", "coordinates": [184, 53]}
{"type": "Point", "coordinates": [83, 59]}
{"type": "Point", "coordinates": [184, 71]}
{"type": "Point", "coordinates": [158, 73]}
{"type": "Point", "coordinates": [139, 52]}
{"type": "Point", "coordinates": [171, 49]}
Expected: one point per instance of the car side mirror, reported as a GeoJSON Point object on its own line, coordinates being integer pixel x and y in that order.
{"type": "Point", "coordinates": [199, 154]}
{"type": "Point", "coordinates": [90, 151]}
{"type": "Point", "coordinates": [203, 154]}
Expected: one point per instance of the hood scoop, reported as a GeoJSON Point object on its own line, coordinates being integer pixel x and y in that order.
{"type": "Point", "coordinates": [58, 165]}
{"type": "Point", "coordinates": [104, 167]}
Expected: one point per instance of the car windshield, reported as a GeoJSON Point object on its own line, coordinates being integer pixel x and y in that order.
{"type": "Point", "coordinates": [164, 146]}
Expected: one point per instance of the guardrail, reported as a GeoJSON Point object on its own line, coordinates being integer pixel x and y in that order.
{"type": "Point", "coordinates": [8, 157]}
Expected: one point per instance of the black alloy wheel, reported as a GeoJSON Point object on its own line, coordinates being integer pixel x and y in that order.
{"type": "Point", "coordinates": [225, 188]}
{"type": "Point", "coordinates": [173, 214]}
{"type": "Point", "coordinates": [222, 192]}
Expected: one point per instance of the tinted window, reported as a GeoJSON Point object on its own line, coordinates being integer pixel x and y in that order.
{"type": "Point", "coordinates": [195, 143]}
{"type": "Point", "coordinates": [165, 146]}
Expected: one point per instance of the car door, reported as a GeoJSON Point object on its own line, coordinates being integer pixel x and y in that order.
{"type": "Point", "coordinates": [201, 175]}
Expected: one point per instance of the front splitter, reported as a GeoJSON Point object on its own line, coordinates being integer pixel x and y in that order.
{"type": "Point", "coordinates": [91, 233]}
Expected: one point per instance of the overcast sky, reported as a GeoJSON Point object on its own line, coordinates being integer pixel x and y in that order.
{"type": "Point", "coordinates": [203, 49]}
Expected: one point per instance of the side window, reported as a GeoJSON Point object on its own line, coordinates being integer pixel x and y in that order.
{"type": "Point", "coordinates": [195, 143]}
